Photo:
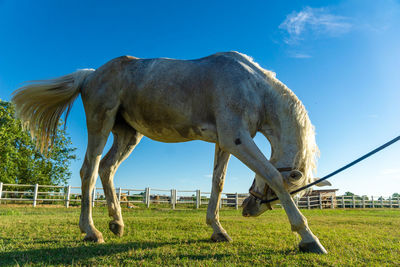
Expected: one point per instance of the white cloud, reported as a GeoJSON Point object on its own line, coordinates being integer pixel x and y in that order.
{"type": "Point", "coordinates": [207, 175]}
{"type": "Point", "coordinates": [315, 22]}
{"type": "Point", "coordinates": [299, 55]}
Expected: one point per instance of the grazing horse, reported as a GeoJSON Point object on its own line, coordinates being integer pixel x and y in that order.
{"type": "Point", "coordinates": [225, 98]}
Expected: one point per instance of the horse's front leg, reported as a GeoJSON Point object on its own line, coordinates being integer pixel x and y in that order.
{"type": "Point", "coordinates": [221, 160]}
{"type": "Point", "coordinates": [240, 144]}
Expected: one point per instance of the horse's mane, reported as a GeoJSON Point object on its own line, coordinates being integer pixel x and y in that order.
{"type": "Point", "coordinates": [306, 158]}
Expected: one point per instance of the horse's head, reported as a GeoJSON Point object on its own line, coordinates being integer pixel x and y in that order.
{"type": "Point", "coordinates": [293, 179]}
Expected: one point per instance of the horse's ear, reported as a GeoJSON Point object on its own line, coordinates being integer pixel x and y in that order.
{"type": "Point", "coordinates": [323, 183]}
{"type": "Point", "coordinates": [295, 174]}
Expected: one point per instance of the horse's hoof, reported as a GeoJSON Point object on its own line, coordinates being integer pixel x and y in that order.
{"type": "Point", "coordinates": [93, 238]}
{"type": "Point", "coordinates": [221, 237]}
{"type": "Point", "coordinates": [116, 228]}
{"type": "Point", "coordinates": [312, 247]}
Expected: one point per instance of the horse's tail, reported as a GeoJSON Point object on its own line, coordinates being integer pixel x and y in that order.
{"type": "Point", "coordinates": [40, 104]}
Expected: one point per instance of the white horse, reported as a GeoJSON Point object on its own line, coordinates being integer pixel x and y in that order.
{"type": "Point", "coordinates": [225, 98]}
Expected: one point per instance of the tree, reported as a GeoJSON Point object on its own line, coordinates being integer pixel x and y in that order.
{"type": "Point", "coordinates": [349, 194]}
{"type": "Point", "coordinates": [396, 195]}
{"type": "Point", "coordinates": [22, 163]}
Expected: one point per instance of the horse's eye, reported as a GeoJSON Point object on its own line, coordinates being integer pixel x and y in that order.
{"type": "Point", "coordinates": [296, 174]}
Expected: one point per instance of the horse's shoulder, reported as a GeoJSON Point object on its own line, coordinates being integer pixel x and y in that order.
{"type": "Point", "coordinates": [233, 56]}
{"type": "Point", "coordinates": [233, 59]}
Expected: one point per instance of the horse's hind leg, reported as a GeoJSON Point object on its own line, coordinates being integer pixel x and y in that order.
{"type": "Point", "coordinates": [221, 160]}
{"type": "Point", "coordinates": [125, 140]}
{"type": "Point", "coordinates": [99, 123]}
{"type": "Point", "coordinates": [88, 173]}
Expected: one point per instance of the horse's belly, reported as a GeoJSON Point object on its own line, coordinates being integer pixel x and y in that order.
{"type": "Point", "coordinates": [175, 133]}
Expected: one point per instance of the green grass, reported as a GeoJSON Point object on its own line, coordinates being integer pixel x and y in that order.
{"type": "Point", "coordinates": [50, 236]}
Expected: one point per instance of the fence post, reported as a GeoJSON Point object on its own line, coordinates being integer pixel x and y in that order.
{"type": "Point", "coordinates": [363, 202]}
{"type": "Point", "coordinates": [145, 196]}
{"type": "Point", "coordinates": [372, 199]}
{"type": "Point", "coordinates": [320, 202]}
{"type": "Point", "coordinates": [343, 203]}
{"type": "Point", "coordinates": [398, 201]}
{"type": "Point", "coordinates": [236, 201]}
{"type": "Point", "coordinates": [35, 193]}
{"type": "Point", "coordinates": [381, 201]}
{"type": "Point", "coordinates": [148, 197]}
{"type": "Point", "coordinates": [354, 202]}
{"type": "Point", "coordinates": [93, 196]}
{"type": "Point", "coordinates": [171, 194]}
{"type": "Point", "coordinates": [332, 203]}
{"type": "Point", "coordinates": [308, 202]}
{"type": "Point", "coordinates": [1, 190]}
{"type": "Point", "coordinates": [68, 196]}
{"type": "Point", "coordinates": [390, 202]}
{"type": "Point", "coordinates": [198, 199]}
{"type": "Point", "coordinates": [173, 198]}
{"type": "Point", "coordinates": [119, 195]}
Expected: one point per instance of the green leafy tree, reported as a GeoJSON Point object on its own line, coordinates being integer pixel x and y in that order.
{"type": "Point", "coordinates": [349, 194]}
{"type": "Point", "coordinates": [396, 195]}
{"type": "Point", "coordinates": [22, 163]}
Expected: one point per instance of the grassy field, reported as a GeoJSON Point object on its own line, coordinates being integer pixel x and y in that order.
{"type": "Point", "coordinates": [50, 236]}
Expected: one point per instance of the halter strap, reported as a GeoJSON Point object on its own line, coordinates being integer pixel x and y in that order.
{"type": "Point", "coordinates": [263, 196]}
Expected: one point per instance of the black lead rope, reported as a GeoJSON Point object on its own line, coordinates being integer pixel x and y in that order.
{"type": "Point", "coordinates": [341, 169]}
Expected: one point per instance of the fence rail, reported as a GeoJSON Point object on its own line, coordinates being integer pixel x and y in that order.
{"type": "Point", "coordinates": [71, 195]}
{"type": "Point", "coordinates": [345, 202]}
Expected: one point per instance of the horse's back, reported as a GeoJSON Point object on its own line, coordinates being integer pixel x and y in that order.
{"type": "Point", "coordinates": [173, 100]}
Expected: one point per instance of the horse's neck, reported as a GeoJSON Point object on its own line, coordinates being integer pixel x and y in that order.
{"type": "Point", "coordinates": [284, 151]}
{"type": "Point", "coordinates": [282, 134]}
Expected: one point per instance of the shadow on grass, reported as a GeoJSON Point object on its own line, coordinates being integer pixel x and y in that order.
{"type": "Point", "coordinates": [70, 254]}
{"type": "Point", "coordinates": [90, 253]}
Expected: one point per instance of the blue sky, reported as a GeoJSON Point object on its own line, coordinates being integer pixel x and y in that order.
{"type": "Point", "coordinates": [341, 58]}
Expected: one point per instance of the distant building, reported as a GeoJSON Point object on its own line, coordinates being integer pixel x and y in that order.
{"type": "Point", "coordinates": [187, 199]}
{"type": "Point", "coordinates": [160, 199]}
{"type": "Point", "coordinates": [325, 195]}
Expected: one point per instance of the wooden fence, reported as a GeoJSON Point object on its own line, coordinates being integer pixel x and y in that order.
{"type": "Point", "coordinates": [360, 202]}
{"type": "Point", "coordinates": [70, 195]}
